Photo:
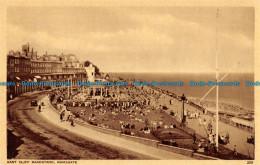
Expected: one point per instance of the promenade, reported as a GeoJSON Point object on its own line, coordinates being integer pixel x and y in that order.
{"type": "Point", "coordinates": [238, 137]}
{"type": "Point", "coordinates": [52, 116]}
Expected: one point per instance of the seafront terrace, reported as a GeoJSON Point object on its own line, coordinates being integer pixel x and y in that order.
{"type": "Point", "coordinates": [138, 112]}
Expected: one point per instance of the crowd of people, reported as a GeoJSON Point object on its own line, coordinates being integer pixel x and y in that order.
{"type": "Point", "coordinates": [130, 110]}
{"type": "Point", "coordinates": [130, 105]}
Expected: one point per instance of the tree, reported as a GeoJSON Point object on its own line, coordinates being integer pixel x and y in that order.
{"type": "Point", "coordinates": [87, 63]}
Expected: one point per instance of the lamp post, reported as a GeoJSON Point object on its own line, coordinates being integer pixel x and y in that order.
{"type": "Point", "coordinates": [183, 98]}
{"type": "Point", "coordinates": [68, 88]}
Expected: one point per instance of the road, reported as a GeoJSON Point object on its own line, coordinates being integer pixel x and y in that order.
{"type": "Point", "coordinates": [43, 136]}
{"type": "Point", "coordinates": [44, 140]}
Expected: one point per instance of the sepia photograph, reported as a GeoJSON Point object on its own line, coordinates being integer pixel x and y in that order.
{"type": "Point", "coordinates": [129, 83]}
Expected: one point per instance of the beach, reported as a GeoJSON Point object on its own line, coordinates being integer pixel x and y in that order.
{"type": "Point", "coordinates": [241, 96]}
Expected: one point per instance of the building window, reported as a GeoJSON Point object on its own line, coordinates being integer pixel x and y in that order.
{"type": "Point", "coordinates": [16, 69]}
{"type": "Point", "coordinates": [11, 62]}
{"type": "Point", "coordinates": [16, 61]}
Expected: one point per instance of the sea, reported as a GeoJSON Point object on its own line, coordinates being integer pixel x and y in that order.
{"type": "Point", "coordinates": [237, 95]}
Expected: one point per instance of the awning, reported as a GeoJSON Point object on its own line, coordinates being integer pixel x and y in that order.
{"type": "Point", "coordinates": [37, 76]}
{"type": "Point", "coordinates": [18, 78]}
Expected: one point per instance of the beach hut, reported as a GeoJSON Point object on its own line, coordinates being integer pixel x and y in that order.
{"type": "Point", "coordinates": [242, 123]}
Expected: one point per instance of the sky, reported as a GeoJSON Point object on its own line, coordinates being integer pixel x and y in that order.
{"type": "Point", "coordinates": [139, 39]}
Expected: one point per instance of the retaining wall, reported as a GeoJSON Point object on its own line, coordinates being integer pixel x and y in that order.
{"type": "Point", "coordinates": [145, 141]}
{"type": "Point", "coordinates": [178, 150]}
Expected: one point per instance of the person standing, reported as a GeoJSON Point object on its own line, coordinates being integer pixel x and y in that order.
{"type": "Point", "coordinates": [62, 115]}
{"type": "Point", "coordinates": [72, 120]}
{"type": "Point", "coordinates": [39, 108]}
{"type": "Point", "coordinates": [235, 151]}
{"type": "Point", "coordinates": [227, 137]}
{"type": "Point", "coordinates": [204, 123]}
{"type": "Point", "coordinates": [194, 138]}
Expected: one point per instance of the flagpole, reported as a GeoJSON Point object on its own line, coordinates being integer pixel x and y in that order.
{"type": "Point", "coordinates": [217, 87]}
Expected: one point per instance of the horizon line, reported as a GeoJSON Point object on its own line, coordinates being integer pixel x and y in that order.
{"type": "Point", "coordinates": [178, 72]}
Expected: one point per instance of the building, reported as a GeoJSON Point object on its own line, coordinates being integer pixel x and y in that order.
{"type": "Point", "coordinates": [90, 70]}
{"type": "Point", "coordinates": [28, 66]}
{"type": "Point", "coordinates": [18, 69]}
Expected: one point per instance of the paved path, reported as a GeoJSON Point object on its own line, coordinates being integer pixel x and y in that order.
{"type": "Point", "coordinates": [50, 114]}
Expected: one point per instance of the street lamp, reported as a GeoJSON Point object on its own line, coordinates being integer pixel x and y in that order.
{"type": "Point", "coordinates": [183, 98]}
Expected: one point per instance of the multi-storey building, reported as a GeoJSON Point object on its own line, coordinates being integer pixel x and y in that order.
{"type": "Point", "coordinates": [27, 66]}
{"type": "Point", "coordinates": [42, 67]}
{"type": "Point", "coordinates": [18, 65]}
